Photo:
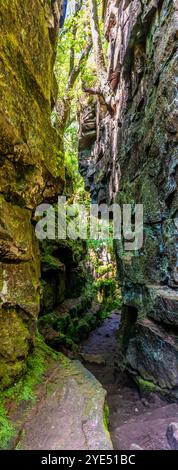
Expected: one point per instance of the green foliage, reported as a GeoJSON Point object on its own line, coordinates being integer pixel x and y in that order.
{"type": "Point", "coordinates": [100, 243]}
{"type": "Point", "coordinates": [101, 270]}
{"type": "Point", "coordinates": [18, 446]}
{"type": "Point", "coordinates": [107, 284]}
{"type": "Point", "coordinates": [7, 430]}
{"type": "Point", "coordinates": [24, 389]}
{"type": "Point", "coordinates": [71, 160]}
{"type": "Point", "coordinates": [110, 296]}
{"type": "Point", "coordinates": [69, 40]}
{"type": "Point", "coordinates": [109, 306]}
{"type": "Point", "coordinates": [36, 366]}
{"type": "Point", "coordinates": [67, 342]}
{"type": "Point", "coordinates": [73, 325]}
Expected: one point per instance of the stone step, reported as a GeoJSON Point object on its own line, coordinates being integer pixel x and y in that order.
{"type": "Point", "coordinates": [93, 358]}
{"type": "Point", "coordinates": [147, 431]}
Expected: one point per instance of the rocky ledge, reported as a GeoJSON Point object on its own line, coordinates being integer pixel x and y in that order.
{"type": "Point", "coordinates": [69, 412]}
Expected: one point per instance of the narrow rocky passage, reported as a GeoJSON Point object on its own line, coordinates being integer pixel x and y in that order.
{"type": "Point", "coordinates": [133, 420]}
{"type": "Point", "coordinates": [69, 398]}
{"type": "Point", "coordinates": [88, 116]}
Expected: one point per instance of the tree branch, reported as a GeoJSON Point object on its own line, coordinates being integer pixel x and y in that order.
{"type": "Point", "coordinates": [77, 69]}
{"type": "Point", "coordinates": [96, 38]}
{"type": "Point", "coordinates": [91, 91]}
{"type": "Point", "coordinates": [104, 85]}
{"type": "Point", "coordinates": [78, 6]}
{"type": "Point", "coordinates": [63, 105]}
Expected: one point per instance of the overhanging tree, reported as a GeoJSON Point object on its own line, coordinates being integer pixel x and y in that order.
{"type": "Point", "coordinates": [104, 89]}
{"type": "Point", "coordinates": [77, 46]}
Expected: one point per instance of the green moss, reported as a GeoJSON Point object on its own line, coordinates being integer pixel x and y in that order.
{"type": "Point", "coordinates": [76, 324]}
{"type": "Point", "coordinates": [10, 371]}
{"type": "Point", "coordinates": [18, 446]}
{"type": "Point", "coordinates": [146, 385]}
{"type": "Point", "coordinates": [110, 305]}
{"type": "Point", "coordinates": [65, 362]}
{"type": "Point", "coordinates": [106, 417]}
{"type": "Point", "coordinates": [25, 388]}
{"type": "Point", "coordinates": [65, 340]}
{"type": "Point", "coordinates": [108, 295]}
{"type": "Point", "coordinates": [36, 366]}
{"type": "Point", "coordinates": [53, 320]}
{"type": "Point", "coordinates": [51, 263]}
{"type": "Point", "coordinates": [73, 325]}
{"type": "Point", "coordinates": [7, 430]}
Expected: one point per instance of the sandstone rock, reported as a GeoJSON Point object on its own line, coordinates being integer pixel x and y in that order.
{"type": "Point", "coordinates": [137, 164]}
{"type": "Point", "coordinates": [172, 435]}
{"type": "Point", "coordinates": [93, 358]}
{"type": "Point", "coordinates": [165, 305]}
{"type": "Point", "coordinates": [19, 289]}
{"type": "Point", "coordinates": [30, 173]}
{"type": "Point", "coordinates": [146, 432]}
{"type": "Point", "coordinates": [26, 145]}
{"type": "Point", "coordinates": [154, 354]}
{"type": "Point", "coordinates": [72, 402]}
{"type": "Point", "coordinates": [135, 447]}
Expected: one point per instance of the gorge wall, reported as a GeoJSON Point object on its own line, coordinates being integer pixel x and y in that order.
{"type": "Point", "coordinates": [31, 167]}
{"type": "Point", "coordinates": [131, 157]}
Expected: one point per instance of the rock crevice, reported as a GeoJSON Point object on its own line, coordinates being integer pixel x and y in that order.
{"type": "Point", "coordinates": [131, 158]}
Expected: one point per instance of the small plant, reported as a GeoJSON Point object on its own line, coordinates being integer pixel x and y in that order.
{"type": "Point", "coordinates": [36, 365]}
{"type": "Point", "coordinates": [106, 417]}
{"type": "Point", "coordinates": [7, 430]}
{"type": "Point", "coordinates": [18, 446]}
{"type": "Point", "coordinates": [24, 389]}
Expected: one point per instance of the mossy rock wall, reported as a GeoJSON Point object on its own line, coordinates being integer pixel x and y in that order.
{"type": "Point", "coordinates": [31, 171]}
{"type": "Point", "coordinates": [143, 48]}
{"type": "Point", "coordinates": [63, 271]}
{"type": "Point", "coordinates": [147, 154]}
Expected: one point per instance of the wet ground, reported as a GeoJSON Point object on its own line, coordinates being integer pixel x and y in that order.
{"type": "Point", "coordinates": [134, 420]}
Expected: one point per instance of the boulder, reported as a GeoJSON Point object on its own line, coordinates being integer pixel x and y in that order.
{"type": "Point", "coordinates": [154, 354]}
{"type": "Point", "coordinates": [93, 358]}
{"type": "Point", "coordinates": [73, 401]}
{"type": "Point", "coordinates": [172, 435]}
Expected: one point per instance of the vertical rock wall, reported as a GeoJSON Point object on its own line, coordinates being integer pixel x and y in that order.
{"type": "Point", "coordinates": [143, 71]}
{"type": "Point", "coordinates": [31, 168]}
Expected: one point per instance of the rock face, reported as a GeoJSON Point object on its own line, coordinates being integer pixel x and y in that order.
{"type": "Point", "coordinates": [71, 414]}
{"type": "Point", "coordinates": [63, 271]}
{"type": "Point", "coordinates": [140, 156]}
{"type": "Point", "coordinates": [31, 167]}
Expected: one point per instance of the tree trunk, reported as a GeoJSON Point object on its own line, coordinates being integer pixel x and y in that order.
{"type": "Point", "coordinates": [105, 88]}
{"type": "Point", "coordinates": [63, 106]}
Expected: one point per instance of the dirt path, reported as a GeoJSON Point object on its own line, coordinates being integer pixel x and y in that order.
{"type": "Point", "coordinates": [133, 421]}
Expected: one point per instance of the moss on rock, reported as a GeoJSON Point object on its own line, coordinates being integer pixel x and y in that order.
{"type": "Point", "coordinates": [32, 170]}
